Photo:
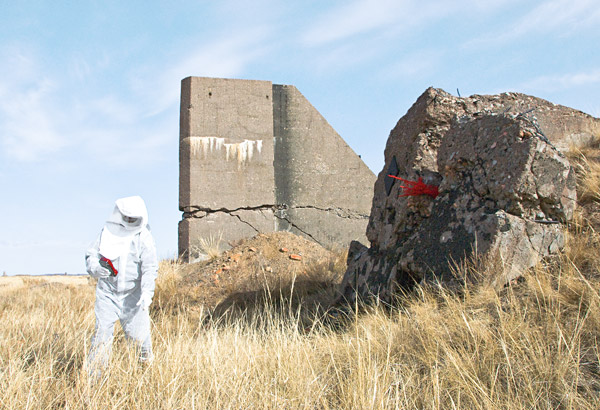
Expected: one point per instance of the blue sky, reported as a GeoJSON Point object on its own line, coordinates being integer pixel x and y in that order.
{"type": "Point", "coordinates": [89, 90]}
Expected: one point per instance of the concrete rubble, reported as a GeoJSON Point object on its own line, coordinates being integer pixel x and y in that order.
{"type": "Point", "coordinates": [505, 192]}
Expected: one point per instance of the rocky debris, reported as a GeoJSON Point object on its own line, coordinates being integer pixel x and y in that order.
{"type": "Point", "coordinates": [252, 266]}
{"type": "Point", "coordinates": [505, 191]}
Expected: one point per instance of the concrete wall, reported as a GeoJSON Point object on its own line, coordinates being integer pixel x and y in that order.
{"type": "Point", "coordinates": [257, 157]}
{"type": "Point", "coordinates": [321, 183]}
{"type": "Point", "coordinates": [226, 144]}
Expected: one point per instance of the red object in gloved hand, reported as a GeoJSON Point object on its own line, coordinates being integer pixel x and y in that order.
{"type": "Point", "coordinates": [107, 263]}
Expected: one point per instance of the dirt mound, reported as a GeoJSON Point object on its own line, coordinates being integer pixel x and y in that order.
{"type": "Point", "coordinates": [265, 264]}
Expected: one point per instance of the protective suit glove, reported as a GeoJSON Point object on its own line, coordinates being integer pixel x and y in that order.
{"type": "Point", "coordinates": [145, 301]}
{"type": "Point", "coordinates": [101, 272]}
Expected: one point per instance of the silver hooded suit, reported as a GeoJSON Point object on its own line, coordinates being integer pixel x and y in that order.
{"type": "Point", "coordinates": [127, 242]}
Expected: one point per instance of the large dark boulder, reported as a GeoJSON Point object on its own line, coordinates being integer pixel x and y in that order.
{"type": "Point", "coordinates": [505, 191]}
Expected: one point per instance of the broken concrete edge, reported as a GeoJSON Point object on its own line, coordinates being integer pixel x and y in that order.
{"type": "Point", "coordinates": [532, 100]}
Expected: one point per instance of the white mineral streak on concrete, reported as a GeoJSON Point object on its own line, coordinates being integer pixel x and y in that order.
{"type": "Point", "coordinates": [205, 145]}
{"type": "Point", "coordinates": [241, 151]}
{"type": "Point", "coordinates": [250, 150]}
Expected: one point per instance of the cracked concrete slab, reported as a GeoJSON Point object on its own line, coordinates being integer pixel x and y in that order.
{"type": "Point", "coordinates": [240, 224]}
{"type": "Point", "coordinates": [323, 226]}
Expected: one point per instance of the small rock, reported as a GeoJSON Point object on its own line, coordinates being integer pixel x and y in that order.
{"type": "Point", "coordinates": [284, 250]}
{"type": "Point", "coordinates": [295, 257]}
{"type": "Point", "coordinates": [252, 249]}
{"type": "Point", "coordinates": [269, 269]}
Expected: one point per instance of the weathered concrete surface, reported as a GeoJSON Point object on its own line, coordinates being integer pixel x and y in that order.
{"type": "Point", "coordinates": [225, 160]}
{"type": "Point", "coordinates": [226, 144]}
{"type": "Point", "coordinates": [322, 186]}
{"type": "Point", "coordinates": [332, 227]}
{"type": "Point", "coordinates": [504, 191]}
{"type": "Point", "coordinates": [257, 157]}
{"type": "Point", "coordinates": [239, 224]}
{"type": "Point", "coordinates": [563, 126]}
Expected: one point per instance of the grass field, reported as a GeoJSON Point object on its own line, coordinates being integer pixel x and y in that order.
{"type": "Point", "coordinates": [10, 283]}
{"type": "Point", "coordinates": [532, 345]}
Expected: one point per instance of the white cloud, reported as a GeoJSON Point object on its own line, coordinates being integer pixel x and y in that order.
{"type": "Point", "coordinates": [114, 108]}
{"type": "Point", "coordinates": [43, 112]}
{"type": "Point", "coordinates": [560, 17]}
{"type": "Point", "coordinates": [80, 69]}
{"type": "Point", "coordinates": [227, 57]}
{"type": "Point", "coordinates": [342, 56]}
{"type": "Point", "coordinates": [28, 118]}
{"type": "Point", "coordinates": [413, 65]}
{"type": "Point", "coordinates": [365, 30]}
{"type": "Point", "coordinates": [368, 16]}
{"type": "Point", "coordinates": [553, 83]}
{"type": "Point", "coordinates": [354, 18]}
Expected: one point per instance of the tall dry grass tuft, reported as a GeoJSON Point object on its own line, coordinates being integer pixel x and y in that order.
{"type": "Point", "coordinates": [207, 248]}
{"type": "Point", "coordinates": [586, 162]}
{"type": "Point", "coordinates": [168, 282]}
{"type": "Point", "coordinates": [305, 292]}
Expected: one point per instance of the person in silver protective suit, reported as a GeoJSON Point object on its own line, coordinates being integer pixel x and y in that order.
{"type": "Point", "coordinates": [123, 258]}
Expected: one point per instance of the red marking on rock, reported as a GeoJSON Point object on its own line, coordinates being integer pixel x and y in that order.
{"type": "Point", "coordinates": [413, 188]}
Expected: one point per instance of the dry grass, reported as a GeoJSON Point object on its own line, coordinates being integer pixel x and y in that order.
{"type": "Point", "coordinates": [533, 345]}
{"type": "Point", "coordinates": [207, 248]}
{"type": "Point", "coordinates": [586, 162]}
{"type": "Point", "coordinates": [11, 283]}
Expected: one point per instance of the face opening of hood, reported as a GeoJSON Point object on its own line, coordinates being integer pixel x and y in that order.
{"type": "Point", "coordinates": [128, 218]}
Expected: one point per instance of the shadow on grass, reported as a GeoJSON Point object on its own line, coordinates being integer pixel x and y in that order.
{"type": "Point", "coordinates": [305, 303]}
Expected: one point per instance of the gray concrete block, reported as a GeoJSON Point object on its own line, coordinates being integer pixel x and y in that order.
{"type": "Point", "coordinates": [250, 151]}
{"type": "Point", "coordinates": [313, 165]}
{"type": "Point", "coordinates": [226, 144]}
